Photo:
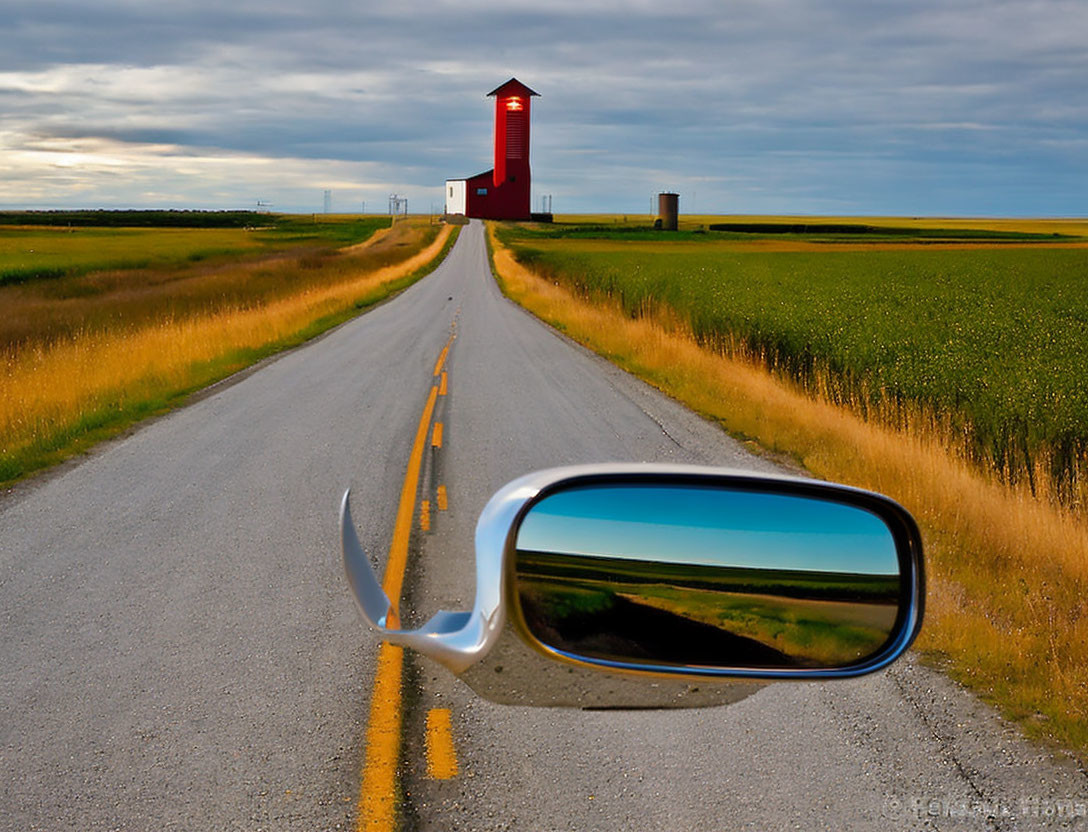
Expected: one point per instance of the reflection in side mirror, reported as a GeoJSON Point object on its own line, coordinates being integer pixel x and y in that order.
{"type": "Point", "coordinates": [647, 583]}
{"type": "Point", "coordinates": [704, 576]}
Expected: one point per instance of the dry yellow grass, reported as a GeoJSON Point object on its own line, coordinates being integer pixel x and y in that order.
{"type": "Point", "coordinates": [1008, 590]}
{"type": "Point", "coordinates": [49, 387]}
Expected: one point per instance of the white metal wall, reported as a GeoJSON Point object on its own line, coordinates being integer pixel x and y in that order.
{"type": "Point", "coordinates": [455, 196]}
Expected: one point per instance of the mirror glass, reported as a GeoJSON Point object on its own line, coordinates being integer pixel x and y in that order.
{"type": "Point", "coordinates": [709, 576]}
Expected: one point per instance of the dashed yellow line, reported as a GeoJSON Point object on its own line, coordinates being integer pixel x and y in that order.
{"type": "Point", "coordinates": [377, 798]}
{"type": "Point", "coordinates": [442, 356]}
{"type": "Point", "coordinates": [377, 793]}
{"type": "Point", "coordinates": [441, 755]}
{"type": "Point", "coordinates": [441, 359]}
{"type": "Point", "coordinates": [402, 526]}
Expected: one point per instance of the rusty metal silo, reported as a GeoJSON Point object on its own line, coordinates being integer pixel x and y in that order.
{"type": "Point", "coordinates": [668, 209]}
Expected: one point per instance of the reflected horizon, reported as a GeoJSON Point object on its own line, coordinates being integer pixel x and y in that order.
{"type": "Point", "coordinates": [695, 575]}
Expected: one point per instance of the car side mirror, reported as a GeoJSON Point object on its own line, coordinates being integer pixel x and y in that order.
{"type": "Point", "coordinates": [669, 586]}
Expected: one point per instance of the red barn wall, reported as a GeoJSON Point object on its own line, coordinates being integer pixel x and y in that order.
{"type": "Point", "coordinates": [508, 201]}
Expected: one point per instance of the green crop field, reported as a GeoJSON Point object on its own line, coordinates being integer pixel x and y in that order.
{"type": "Point", "coordinates": [36, 253]}
{"type": "Point", "coordinates": [50, 251]}
{"type": "Point", "coordinates": [989, 338]}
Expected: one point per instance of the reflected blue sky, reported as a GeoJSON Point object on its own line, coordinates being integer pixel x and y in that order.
{"type": "Point", "coordinates": [684, 524]}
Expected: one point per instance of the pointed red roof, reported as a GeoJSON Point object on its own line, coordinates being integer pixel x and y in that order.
{"type": "Point", "coordinates": [512, 87]}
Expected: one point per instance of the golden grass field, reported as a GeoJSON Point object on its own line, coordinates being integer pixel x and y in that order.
{"type": "Point", "coordinates": [62, 392]}
{"type": "Point", "coordinates": [1008, 572]}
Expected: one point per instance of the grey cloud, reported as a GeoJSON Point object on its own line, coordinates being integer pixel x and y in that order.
{"type": "Point", "coordinates": [876, 102]}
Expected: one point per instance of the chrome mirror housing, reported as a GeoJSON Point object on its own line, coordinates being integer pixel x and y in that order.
{"type": "Point", "coordinates": [635, 586]}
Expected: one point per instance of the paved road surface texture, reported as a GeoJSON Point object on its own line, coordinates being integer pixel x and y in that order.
{"type": "Point", "coordinates": [180, 650]}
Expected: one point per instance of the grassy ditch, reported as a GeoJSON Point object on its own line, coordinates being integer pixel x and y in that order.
{"type": "Point", "coordinates": [66, 391]}
{"type": "Point", "coordinates": [1008, 597]}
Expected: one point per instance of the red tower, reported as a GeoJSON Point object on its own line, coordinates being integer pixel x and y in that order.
{"type": "Point", "coordinates": [502, 193]}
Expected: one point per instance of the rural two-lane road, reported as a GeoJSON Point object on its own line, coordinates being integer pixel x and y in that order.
{"type": "Point", "coordinates": [178, 648]}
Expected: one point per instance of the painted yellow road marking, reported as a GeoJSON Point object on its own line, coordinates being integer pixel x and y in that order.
{"type": "Point", "coordinates": [377, 793]}
{"type": "Point", "coordinates": [402, 526]}
{"type": "Point", "coordinates": [441, 755]}
{"type": "Point", "coordinates": [377, 798]}
{"type": "Point", "coordinates": [436, 439]}
{"type": "Point", "coordinates": [442, 357]}
{"type": "Point", "coordinates": [442, 498]}
{"type": "Point", "coordinates": [425, 515]}
{"type": "Point", "coordinates": [442, 385]}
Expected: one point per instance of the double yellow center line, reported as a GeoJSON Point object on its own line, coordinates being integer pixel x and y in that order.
{"type": "Point", "coordinates": [377, 794]}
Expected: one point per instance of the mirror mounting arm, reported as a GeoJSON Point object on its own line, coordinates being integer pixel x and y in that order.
{"type": "Point", "coordinates": [443, 638]}
{"type": "Point", "coordinates": [371, 598]}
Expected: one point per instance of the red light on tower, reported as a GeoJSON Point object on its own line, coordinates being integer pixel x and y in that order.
{"type": "Point", "coordinates": [512, 136]}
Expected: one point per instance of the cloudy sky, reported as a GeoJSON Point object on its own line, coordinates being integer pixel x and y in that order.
{"type": "Point", "coordinates": [931, 107]}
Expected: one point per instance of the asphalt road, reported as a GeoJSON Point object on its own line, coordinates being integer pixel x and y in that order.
{"type": "Point", "coordinates": [179, 649]}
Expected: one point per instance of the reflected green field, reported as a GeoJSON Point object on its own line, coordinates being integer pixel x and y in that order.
{"type": "Point", "coordinates": [638, 610]}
